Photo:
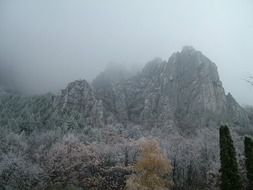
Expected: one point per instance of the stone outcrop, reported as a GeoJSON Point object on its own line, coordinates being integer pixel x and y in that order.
{"type": "Point", "coordinates": [79, 98]}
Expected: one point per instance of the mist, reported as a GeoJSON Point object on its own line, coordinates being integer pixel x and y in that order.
{"type": "Point", "coordinates": [46, 44]}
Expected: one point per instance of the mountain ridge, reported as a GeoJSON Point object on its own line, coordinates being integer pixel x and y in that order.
{"type": "Point", "coordinates": [187, 83]}
{"type": "Point", "coordinates": [184, 93]}
{"type": "Point", "coordinates": [180, 103]}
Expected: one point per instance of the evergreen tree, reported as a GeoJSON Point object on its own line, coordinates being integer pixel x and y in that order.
{"type": "Point", "coordinates": [248, 149]}
{"type": "Point", "coordinates": [230, 179]}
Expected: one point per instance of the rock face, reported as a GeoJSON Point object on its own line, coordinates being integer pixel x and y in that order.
{"type": "Point", "coordinates": [79, 98]}
{"type": "Point", "coordinates": [185, 92]}
{"type": "Point", "coordinates": [236, 113]}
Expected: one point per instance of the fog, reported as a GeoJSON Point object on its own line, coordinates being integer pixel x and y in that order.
{"type": "Point", "coordinates": [46, 44]}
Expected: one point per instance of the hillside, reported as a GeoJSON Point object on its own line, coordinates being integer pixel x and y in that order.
{"type": "Point", "coordinates": [180, 102]}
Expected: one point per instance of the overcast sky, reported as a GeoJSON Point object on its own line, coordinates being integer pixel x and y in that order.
{"type": "Point", "coordinates": [49, 43]}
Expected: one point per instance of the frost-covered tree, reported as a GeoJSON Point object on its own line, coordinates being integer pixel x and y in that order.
{"type": "Point", "coordinates": [230, 179]}
{"type": "Point", "coordinates": [17, 172]}
{"type": "Point", "coordinates": [70, 161]}
{"type": "Point", "coordinates": [152, 170]}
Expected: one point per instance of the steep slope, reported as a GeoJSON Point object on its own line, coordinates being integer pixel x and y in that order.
{"type": "Point", "coordinates": [236, 113]}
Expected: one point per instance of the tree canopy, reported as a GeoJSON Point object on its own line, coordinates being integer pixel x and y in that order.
{"type": "Point", "coordinates": [152, 169]}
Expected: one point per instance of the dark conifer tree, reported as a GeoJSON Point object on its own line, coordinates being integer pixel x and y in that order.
{"type": "Point", "coordinates": [248, 149]}
{"type": "Point", "coordinates": [230, 179]}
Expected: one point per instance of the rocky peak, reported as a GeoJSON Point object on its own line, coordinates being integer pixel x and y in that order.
{"type": "Point", "coordinates": [185, 91]}
{"type": "Point", "coordinates": [188, 50]}
{"type": "Point", "coordinates": [78, 97]}
{"type": "Point", "coordinates": [199, 91]}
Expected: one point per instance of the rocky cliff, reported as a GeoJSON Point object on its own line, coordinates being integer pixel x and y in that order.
{"type": "Point", "coordinates": [78, 100]}
{"type": "Point", "coordinates": [184, 91]}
